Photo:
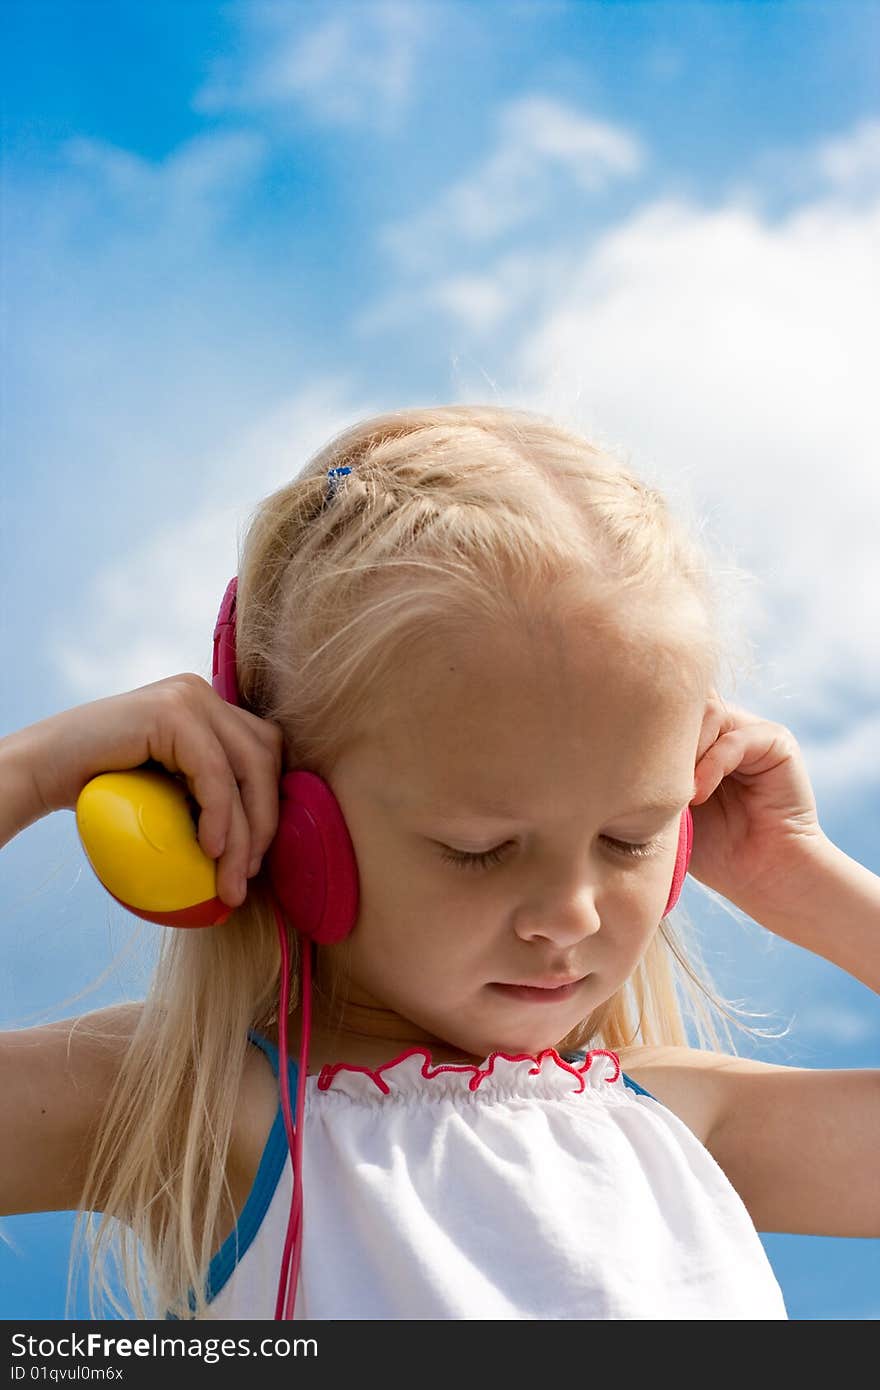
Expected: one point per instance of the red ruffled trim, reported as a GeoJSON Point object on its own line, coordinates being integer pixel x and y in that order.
{"type": "Point", "coordinates": [429, 1072]}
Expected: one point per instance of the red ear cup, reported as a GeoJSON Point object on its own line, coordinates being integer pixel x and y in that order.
{"type": "Point", "coordinates": [682, 858]}
{"type": "Point", "coordinates": [224, 678]}
{"type": "Point", "coordinates": [311, 861]}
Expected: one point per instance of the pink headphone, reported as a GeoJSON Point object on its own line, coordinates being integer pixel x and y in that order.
{"type": "Point", "coordinates": [311, 861]}
{"type": "Point", "coordinates": [313, 873]}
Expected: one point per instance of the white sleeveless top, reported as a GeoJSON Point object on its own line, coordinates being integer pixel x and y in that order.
{"type": "Point", "coordinates": [530, 1187]}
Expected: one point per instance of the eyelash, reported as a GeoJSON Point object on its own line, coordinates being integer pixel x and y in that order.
{"type": "Point", "coordinates": [494, 856]}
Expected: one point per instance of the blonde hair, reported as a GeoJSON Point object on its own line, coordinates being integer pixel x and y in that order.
{"type": "Point", "coordinates": [451, 514]}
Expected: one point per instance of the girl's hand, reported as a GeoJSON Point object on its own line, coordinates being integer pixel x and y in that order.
{"type": "Point", "coordinates": [230, 759]}
{"type": "Point", "coordinates": [756, 826]}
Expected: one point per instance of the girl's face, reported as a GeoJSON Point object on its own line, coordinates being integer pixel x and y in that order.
{"type": "Point", "coordinates": [547, 760]}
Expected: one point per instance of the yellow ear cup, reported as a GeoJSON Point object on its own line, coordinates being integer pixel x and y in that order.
{"type": "Point", "coordinates": [140, 838]}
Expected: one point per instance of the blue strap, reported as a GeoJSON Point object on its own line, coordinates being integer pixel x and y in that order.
{"type": "Point", "coordinates": [271, 1167]}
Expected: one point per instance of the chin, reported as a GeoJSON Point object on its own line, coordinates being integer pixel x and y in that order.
{"type": "Point", "coordinates": [533, 1035]}
{"type": "Point", "coordinates": [527, 1041]}
{"type": "Point", "coordinates": [514, 1036]}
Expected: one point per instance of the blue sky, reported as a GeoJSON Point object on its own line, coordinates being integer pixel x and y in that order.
{"type": "Point", "coordinates": [230, 230]}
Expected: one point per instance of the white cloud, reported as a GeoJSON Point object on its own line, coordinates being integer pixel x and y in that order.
{"type": "Point", "coordinates": [152, 609]}
{"type": "Point", "coordinates": [843, 766]}
{"type": "Point", "coordinates": [356, 66]}
{"type": "Point", "coordinates": [845, 166]}
{"type": "Point", "coordinates": [734, 359]}
{"type": "Point", "coordinates": [835, 1023]}
{"type": "Point", "coordinates": [542, 150]}
{"type": "Point", "coordinates": [852, 161]}
{"type": "Point", "coordinates": [480, 303]}
{"type": "Point", "coordinates": [184, 193]}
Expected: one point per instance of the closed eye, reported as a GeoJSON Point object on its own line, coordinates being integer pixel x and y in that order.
{"type": "Point", "coordinates": [487, 858]}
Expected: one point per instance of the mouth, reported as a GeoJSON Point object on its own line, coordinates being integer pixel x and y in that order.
{"type": "Point", "coordinates": [545, 992]}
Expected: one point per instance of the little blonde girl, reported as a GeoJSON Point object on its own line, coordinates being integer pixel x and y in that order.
{"type": "Point", "coordinates": [500, 652]}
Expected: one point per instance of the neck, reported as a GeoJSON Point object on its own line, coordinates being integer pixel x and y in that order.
{"type": "Point", "coordinates": [365, 1035]}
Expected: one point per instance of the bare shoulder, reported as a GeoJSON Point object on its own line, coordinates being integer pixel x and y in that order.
{"type": "Point", "coordinates": [255, 1111]}
{"type": "Point", "coordinates": [689, 1081]}
{"type": "Point", "coordinates": [55, 1080]}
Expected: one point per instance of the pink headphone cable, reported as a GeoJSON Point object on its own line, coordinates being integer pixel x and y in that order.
{"type": "Point", "coordinates": [293, 1242]}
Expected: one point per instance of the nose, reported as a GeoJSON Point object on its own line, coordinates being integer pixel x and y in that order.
{"type": "Point", "coordinates": [563, 918]}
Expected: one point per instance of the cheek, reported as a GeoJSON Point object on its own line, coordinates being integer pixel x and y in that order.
{"type": "Point", "coordinates": [635, 898]}
{"type": "Point", "coordinates": [630, 922]}
{"type": "Point", "coordinates": [405, 937]}
{"type": "Point", "coordinates": [635, 946]}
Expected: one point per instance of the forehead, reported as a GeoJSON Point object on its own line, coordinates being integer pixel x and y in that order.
{"type": "Point", "coordinates": [490, 718]}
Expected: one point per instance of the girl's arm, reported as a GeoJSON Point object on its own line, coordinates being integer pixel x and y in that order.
{"type": "Point", "coordinates": [802, 1145]}
{"type": "Point", "coordinates": [834, 911]}
{"type": "Point", "coordinates": [55, 1080]}
{"type": "Point", "coordinates": [20, 801]}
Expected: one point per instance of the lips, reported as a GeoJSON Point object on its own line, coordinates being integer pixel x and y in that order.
{"type": "Point", "coordinates": [543, 984]}
{"type": "Point", "coordinates": [546, 992]}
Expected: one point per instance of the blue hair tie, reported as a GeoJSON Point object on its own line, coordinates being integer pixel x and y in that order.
{"type": "Point", "coordinates": [333, 476]}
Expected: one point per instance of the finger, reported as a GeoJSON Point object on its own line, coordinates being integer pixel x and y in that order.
{"type": "Point", "coordinates": [713, 720]}
{"type": "Point", "coordinates": [232, 866]}
{"type": "Point", "coordinates": [722, 756]}
{"type": "Point", "coordinates": [193, 751]}
{"type": "Point", "coordinates": [720, 718]}
{"type": "Point", "coordinates": [257, 774]}
{"type": "Point", "coordinates": [199, 748]}
{"type": "Point", "coordinates": [747, 749]}
{"type": "Point", "coordinates": [223, 831]}
{"type": "Point", "coordinates": [254, 749]}
{"type": "Point", "coordinates": [266, 730]}
{"type": "Point", "coordinates": [257, 763]}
